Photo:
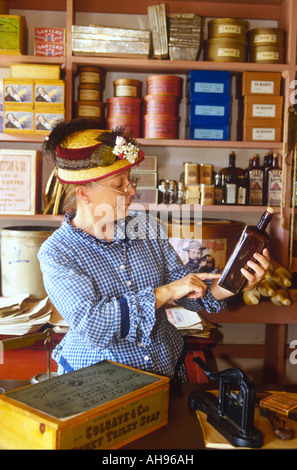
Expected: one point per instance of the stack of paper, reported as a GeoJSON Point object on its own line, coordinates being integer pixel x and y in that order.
{"type": "Point", "coordinates": [188, 321]}
{"type": "Point", "coordinates": [20, 314]}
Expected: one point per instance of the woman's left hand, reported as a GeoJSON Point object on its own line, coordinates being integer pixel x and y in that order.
{"type": "Point", "coordinates": [259, 269]}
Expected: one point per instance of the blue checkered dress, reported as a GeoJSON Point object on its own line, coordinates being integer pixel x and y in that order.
{"type": "Point", "coordinates": [105, 292]}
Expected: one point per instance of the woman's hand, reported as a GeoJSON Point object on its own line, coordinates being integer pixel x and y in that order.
{"type": "Point", "coordinates": [191, 285]}
{"type": "Point", "coordinates": [260, 268]}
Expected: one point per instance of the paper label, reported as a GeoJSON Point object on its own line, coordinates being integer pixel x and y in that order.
{"type": "Point", "coordinates": [259, 133]}
{"type": "Point", "coordinates": [209, 110]}
{"type": "Point", "coordinates": [216, 134]}
{"type": "Point", "coordinates": [264, 110]}
{"type": "Point", "coordinates": [262, 87]}
{"type": "Point", "coordinates": [228, 52]}
{"type": "Point", "coordinates": [204, 87]}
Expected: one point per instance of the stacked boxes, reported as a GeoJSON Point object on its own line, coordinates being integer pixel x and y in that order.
{"type": "Point", "coordinates": [49, 42]}
{"type": "Point", "coordinates": [11, 34]}
{"type": "Point", "coordinates": [263, 106]}
{"type": "Point", "coordinates": [32, 105]}
{"type": "Point", "coordinates": [209, 105]}
{"type": "Point", "coordinates": [146, 176]}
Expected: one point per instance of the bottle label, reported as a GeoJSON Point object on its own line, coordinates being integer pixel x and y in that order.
{"type": "Point", "coordinates": [231, 193]}
{"type": "Point", "coordinates": [274, 187]}
{"type": "Point", "coordinates": [262, 87]}
{"type": "Point", "coordinates": [256, 187]}
{"type": "Point", "coordinates": [241, 196]}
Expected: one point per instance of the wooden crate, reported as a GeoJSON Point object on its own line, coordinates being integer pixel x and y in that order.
{"type": "Point", "coordinates": [103, 406]}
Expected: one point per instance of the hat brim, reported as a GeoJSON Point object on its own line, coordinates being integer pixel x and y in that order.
{"type": "Point", "coordinates": [95, 173]}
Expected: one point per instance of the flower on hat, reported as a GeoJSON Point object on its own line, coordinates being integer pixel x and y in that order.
{"type": "Point", "coordinates": [117, 143]}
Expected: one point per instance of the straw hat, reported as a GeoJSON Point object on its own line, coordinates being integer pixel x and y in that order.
{"type": "Point", "coordinates": [92, 154]}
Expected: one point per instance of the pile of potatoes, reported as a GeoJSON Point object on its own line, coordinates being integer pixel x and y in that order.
{"type": "Point", "coordinates": [276, 286]}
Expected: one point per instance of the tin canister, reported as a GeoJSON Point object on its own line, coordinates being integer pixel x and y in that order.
{"type": "Point", "coordinates": [127, 87]}
{"type": "Point", "coordinates": [131, 124]}
{"type": "Point", "coordinates": [161, 104]}
{"type": "Point", "coordinates": [205, 173]}
{"type": "Point", "coordinates": [164, 85]}
{"type": "Point", "coordinates": [266, 37]}
{"type": "Point", "coordinates": [190, 173]}
{"type": "Point", "coordinates": [92, 74]}
{"type": "Point", "coordinates": [228, 28]}
{"type": "Point", "coordinates": [160, 127]}
{"type": "Point", "coordinates": [123, 106]}
{"type": "Point", "coordinates": [206, 194]}
{"type": "Point", "coordinates": [91, 109]}
{"type": "Point", "coordinates": [267, 54]}
{"type": "Point", "coordinates": [225, 50]}
{"type": "Point", "coordinates": [90, 92]}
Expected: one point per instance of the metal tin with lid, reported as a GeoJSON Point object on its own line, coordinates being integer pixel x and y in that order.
{"type": "Point", "coordinates": [267, 54]}
{"type": "Point", "coordinates": [164, 85]}
{"type": "Point", "coordinates": [127, 87]}
{"type": "Point", "coordinates": [90, 92]}
{"type": "Point", "coordinates": [225, 50]}
{"type": "Point", "coordinates": [266, 37]}
{"type": "Point", "coordinates": [228, 28]}
{"type": "Point", "coordinates": [92, 74]}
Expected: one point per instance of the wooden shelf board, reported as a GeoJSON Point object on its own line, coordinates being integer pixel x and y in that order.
{"type": "Point", "coordinates": [173, 66]}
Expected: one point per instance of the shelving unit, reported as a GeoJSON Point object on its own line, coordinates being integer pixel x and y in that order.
{"type": "Point", "coordinates": [282, 11]}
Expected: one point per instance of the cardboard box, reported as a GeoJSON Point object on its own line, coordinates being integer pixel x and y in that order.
{"type": "Point", "coordinates": [212, 113]}
{"type": "Point", "coordinates": [261, 83]}
{"type": "Point", "coordinates": [208, 84]}
{"type": "Point", "coordinates": [18, 119]}
{"type": "Point", "coordinates": [49, 49]}
{"type": "Point", "coordinates": [45, 118]}
{"type": "Point", "coordinates": [262, 130]}
{"type": "Point", "coordinates": [49, 93]}
{"type": "Point", "coordinates": [18, 91]}
{"type": "Point", "coordinates": [148, 164]}
{"type": "Point", "coordinates": [103, 406]}
{"type": "Point", "coordinates": [50, 35]}
{"type": "Point", "coordinates": [263, 107]}
{"type": "Point", "coordinates": [145, 179]}
{"type": "Point", "coordinates": [19, 172]}
{"type": "Point", "coordinates": [145, 196]}
{"type": "Point", "coordinates": [11, 34]}
{"type": "Point", "coordinates": [35, 71]}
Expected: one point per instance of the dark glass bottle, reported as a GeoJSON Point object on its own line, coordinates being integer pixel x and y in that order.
{"type": "Point", "coordinates": [268, 161]}
{"type": "Point", "coordinates": [232, 169]}
{"type": "Point", "coordinates": [256, 177]}
{"type": "Point", "coordinates": [253, 240]}
{"type": "Point", "coordinates": [219, 191]}
{"type": "Point", "coordinates": [274, 183]}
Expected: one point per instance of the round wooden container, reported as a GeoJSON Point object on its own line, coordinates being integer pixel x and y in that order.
{"type": "Point", "coordinates": [266, 37]}
{"type": "Point", "coordinates": [161, 104]}
{"type": "Point", "coordinates": [164, 85]}
{"type": "Point", "coordinates": [228, 28]}
{"type": "Point", "coordinates": [89, 92]}
{"type": "Point", "coordinates": [217, 236]}
{"type": "Point", "coordinates": [125, 87]}
{"type": "Point", "coordinates": [225, 50]}
{"type": "Point", "coordinates": [122, 106]}
{"type": "Point", "coordinates": [130, 123]}
{"type": "Point", "coordinates": [90, 109]}
{"type": "Point", "coordinates": [160, 127]}
{"type": "Point", "coordinates": [92, 74]}
{"type": "Point", "coordinates": [267, 54]}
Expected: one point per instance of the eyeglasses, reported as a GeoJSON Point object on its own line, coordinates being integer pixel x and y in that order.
{"type": "Point", "coordinates": [127, 191]}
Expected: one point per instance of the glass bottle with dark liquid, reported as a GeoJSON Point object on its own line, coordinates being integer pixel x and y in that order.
{"type": "Point", "coordinates": [253, 240]}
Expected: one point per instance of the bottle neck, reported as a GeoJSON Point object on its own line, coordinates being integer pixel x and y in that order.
{"type": "Point", "coordinates": [232, 160]}
{"type": "Point", "coordinates": [265, 219]}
